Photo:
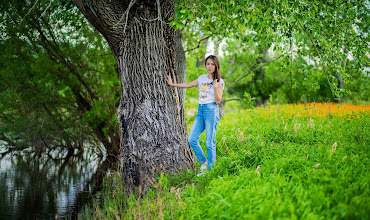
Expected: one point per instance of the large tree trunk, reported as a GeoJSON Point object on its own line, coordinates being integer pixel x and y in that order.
{"type": "Point", "coordinates": [150, 115]}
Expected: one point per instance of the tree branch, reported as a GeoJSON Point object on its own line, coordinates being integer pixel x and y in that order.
{"type": "Point", "coordinates": [43, 13]}
{"type": "Point", "coordinates": [200, 41]}
{"type": "Point", "coordinates": [27, 13]}
{"type": "Point", "coordinates": [245, 100]}
{"type": "Point", "coordinates": [251, 71]}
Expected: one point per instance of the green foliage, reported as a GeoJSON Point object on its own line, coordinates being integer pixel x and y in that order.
{"type": "Point", "coordinates": [58, 83]}
{"type": "Point", "coordinates": [320, 42]}
{"type": "Point", "coordinates": [275, 162]}
{"type": "Point", "coordinates": [249, 101]}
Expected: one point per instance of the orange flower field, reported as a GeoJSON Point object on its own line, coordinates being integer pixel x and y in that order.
{"type": "Point", "coordinates": [314, 110]}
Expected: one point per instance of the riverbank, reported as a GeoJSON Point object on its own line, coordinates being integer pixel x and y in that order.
{"type": "Point", "coordinates": [46, 187]}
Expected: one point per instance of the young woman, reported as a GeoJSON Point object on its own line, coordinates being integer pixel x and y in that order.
{"type": "Point", "coordinates": [211, 86]}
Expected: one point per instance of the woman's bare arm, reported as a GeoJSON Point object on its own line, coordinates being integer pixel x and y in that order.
{"type": "Point", "coordinates": [182, 85]}
{"type": "Point", "coordinates": [218, 91]}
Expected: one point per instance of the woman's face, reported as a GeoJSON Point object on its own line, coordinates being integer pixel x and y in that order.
{"type": "Point", "coordinates": [210, 66]}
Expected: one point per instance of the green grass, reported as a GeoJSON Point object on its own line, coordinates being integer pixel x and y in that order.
{"type": "Point", "coordinates": [269, 166]}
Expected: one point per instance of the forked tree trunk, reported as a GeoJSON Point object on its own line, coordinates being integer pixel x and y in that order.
{"type": "Point", "coordinates": [150, 115]}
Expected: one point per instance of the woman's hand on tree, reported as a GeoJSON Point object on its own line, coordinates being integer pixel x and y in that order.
{"type": "Point", "coordinates": [169, 81]}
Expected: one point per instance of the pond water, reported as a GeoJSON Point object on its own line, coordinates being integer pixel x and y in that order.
{"type": "Point", "coordinates": [45, 188]}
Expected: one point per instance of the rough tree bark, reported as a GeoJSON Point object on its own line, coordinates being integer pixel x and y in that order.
{"type": "Point", "coordinates": [150, 115]}
{"type": "Point", "coordinates": [181, 63]}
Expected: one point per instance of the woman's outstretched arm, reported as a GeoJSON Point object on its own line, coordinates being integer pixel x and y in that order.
{"type": "Point", "coordinates": [182, 85]}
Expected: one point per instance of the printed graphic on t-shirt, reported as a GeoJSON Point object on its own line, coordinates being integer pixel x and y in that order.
{"type": "Point", "coordinates": [204, 89]}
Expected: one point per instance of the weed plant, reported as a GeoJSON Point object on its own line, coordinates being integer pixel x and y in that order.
{"type": "Point", "coordinates": [305, 161]}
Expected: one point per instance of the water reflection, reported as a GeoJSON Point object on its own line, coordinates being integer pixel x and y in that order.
{"type": "Point", "coordinates": [44, 188]}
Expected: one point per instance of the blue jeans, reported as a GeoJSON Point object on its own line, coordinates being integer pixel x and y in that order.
{"type": "Point", "coordinates": [207, 118]}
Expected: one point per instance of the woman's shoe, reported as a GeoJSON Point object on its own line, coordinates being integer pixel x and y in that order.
{"type": "Point", "coordinates": [200, 174]}
{"type": "Point", "coordinates": [203, 167]}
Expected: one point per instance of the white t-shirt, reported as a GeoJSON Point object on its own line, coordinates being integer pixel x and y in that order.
{"type": "Point", "coordinates": [206, 90]}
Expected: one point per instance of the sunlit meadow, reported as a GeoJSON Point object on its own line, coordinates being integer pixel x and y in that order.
{"type": "Point", "coordinates": [306, 161]}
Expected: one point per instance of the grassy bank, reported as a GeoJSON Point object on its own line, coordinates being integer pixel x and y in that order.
{"type": "Point", "coordinates": [281, 162]}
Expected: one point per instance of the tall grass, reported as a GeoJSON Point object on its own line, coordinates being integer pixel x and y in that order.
{"type": "Point", "coordinates": [308, 161]}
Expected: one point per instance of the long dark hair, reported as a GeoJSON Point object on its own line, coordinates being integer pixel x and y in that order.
{"type": "Point", "coordinates": [217, 72]}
